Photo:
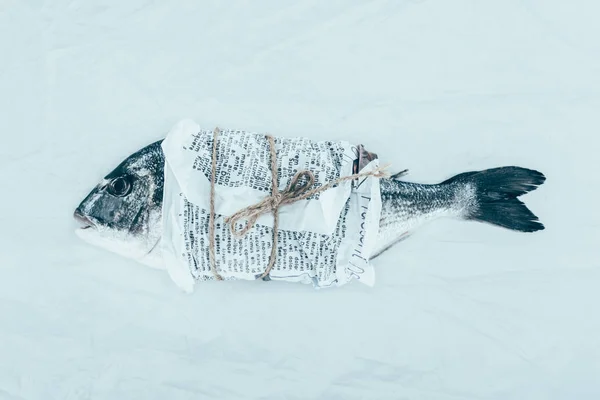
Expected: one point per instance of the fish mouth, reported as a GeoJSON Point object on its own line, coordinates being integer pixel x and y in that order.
{"type": "Point", "coordinates": [85, 222]}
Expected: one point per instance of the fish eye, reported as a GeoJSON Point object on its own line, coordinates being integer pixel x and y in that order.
{"type": "Point", "coordinates": [120, 186]}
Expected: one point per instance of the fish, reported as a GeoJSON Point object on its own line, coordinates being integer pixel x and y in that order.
{"type": "Point", "coordinates": [123, 212]}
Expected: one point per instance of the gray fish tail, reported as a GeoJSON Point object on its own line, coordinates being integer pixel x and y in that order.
{"type": "Point", "coordinates": [494, 196]}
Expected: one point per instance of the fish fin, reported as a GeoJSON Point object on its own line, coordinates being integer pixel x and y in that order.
{"type": "Point", "coordinates": [496, 192]}
{"type": "Point", "coordinates": [399, 174]}
{"type": "Point", "coordinates": [399, 239]}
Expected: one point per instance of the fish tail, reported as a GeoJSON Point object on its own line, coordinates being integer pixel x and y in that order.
{"type": "Point", "coordinates": [494, 197]}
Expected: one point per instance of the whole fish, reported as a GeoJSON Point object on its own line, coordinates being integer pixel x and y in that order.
{"type": "Point", "coordinates": [123, 212]}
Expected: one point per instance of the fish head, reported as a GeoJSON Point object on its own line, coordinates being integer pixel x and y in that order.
{"type": "Point", "coordinates": [123, 213]}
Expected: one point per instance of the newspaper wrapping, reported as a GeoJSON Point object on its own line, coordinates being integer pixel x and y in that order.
{"type": "Point", "coordinates": [325, 240]}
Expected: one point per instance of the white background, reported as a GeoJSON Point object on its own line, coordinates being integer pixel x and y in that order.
{"type": "Point", "coordinates": [460, 310]}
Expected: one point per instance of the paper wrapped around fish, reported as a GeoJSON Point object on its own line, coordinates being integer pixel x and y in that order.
{"type": "Point", "coordinates": [325, 239]}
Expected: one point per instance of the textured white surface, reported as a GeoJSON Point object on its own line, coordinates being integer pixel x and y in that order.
{"type": "Point", "coordinates": [459, 311]}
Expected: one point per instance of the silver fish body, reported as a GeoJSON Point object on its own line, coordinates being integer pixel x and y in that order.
{"type": "Point", "coordinates": [407, 206]}
{"type": "Point", "coordinates": [123, 212]}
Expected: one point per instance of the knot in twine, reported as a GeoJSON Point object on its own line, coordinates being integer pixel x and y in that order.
{"type": "Point", "coordinates": [298, 189]}
{"type": "Point", "coordinates": [293, 192]}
